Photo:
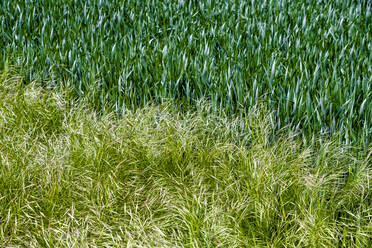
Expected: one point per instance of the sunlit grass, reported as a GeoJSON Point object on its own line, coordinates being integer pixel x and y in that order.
{"type": "Point", "coordinates": [159, 178]}
{"type": "Point", "coordinates": [310, 61]}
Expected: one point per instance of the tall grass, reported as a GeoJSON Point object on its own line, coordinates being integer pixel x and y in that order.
{"type": "Point", "coordinates": [158, 178]}
{"type": "Point", "coordinates": [310, 61]}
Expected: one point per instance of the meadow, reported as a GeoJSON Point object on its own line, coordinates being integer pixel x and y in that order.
{"type": "Point", "coordinates": [188, 123]}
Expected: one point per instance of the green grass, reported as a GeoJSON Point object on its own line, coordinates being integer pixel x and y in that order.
{"type": "Point", "coordinates": [206, 124]}
{"type": "Point", "coordinates": [309, 61]}
{"type": "Point", "coordinates": [159, 178]}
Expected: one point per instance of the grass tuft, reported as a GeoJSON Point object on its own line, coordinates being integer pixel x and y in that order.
{"type": "Point", "coordinates": [158, 178]}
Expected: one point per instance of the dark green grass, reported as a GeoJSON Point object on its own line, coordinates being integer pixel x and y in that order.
{"type": "Point", "coordinates": [158, 178]}
{"type": "Point", "coordinates": [310, 61]}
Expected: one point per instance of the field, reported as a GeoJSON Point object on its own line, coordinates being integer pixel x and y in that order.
{"type": "Point", "coordinates": [185, 123]}
{"type": "Point", "coordinates": [310, 61]}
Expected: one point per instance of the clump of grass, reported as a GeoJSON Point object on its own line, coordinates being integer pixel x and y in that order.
{"type": "Point", "coordinates": [158, 178]}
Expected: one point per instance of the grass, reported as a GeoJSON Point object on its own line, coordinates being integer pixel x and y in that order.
{"type": "Point", "coordinates": [185, 123]}
{"type": "Point", "coordinates": [310, 61]}
{"type": "Point", "coordinates": [159, 178]}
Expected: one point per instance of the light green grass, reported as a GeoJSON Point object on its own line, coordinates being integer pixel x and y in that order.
{"type": "Point", "coordinates": [310, 61]}
{"type": "Point", "coordinates": [157, 178]}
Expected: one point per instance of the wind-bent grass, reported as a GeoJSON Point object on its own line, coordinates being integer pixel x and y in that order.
{"type": "Point", "coordinates": [309, 60]}
{"type": "Point", "coordinates": [156, 178]}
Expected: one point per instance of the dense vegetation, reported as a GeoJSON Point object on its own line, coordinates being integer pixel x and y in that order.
{"type": "Point", "coordinates": [310, 61]}
{"type": "Point", "coordinates": [185, 123]}
{"type": "Point", "coordinates": [156, 178]}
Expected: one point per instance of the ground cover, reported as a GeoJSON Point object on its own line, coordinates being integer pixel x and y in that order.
{"type": "Point", "coordinates": [157, 178]}
{"type": "Point", "coordinates": [185, 123]}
